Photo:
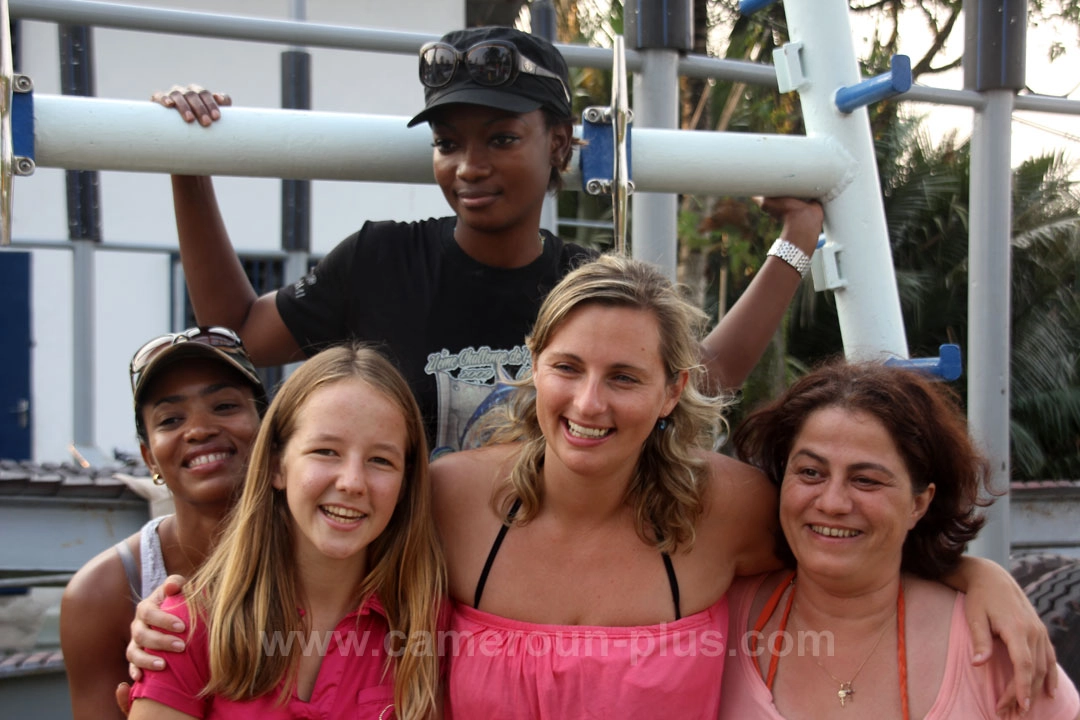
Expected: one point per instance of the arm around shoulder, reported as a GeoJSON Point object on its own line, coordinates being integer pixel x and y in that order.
{"type": "Point", "coordinates": [996, 605]}
{"type": "Point", "coordinates": [742, 507]}
{"type": "Point", "coordinates": [999, 693]}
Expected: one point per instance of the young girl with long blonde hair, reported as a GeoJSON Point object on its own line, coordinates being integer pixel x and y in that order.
{"type": "Point", "coordinates": [325, 590]}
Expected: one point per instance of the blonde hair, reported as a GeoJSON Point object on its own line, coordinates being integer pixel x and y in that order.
{"type": "Point", "coordinates": [249, 586]}
{"type": "Point", "coordinates": [668, 483]}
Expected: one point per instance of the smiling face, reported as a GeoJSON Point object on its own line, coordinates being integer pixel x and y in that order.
{"type": "Point", "coordinates": [601, 386]}
{"type": "Point", "coordinates": [200, 420]}
{"type": "Point", "coordinates": [847, 500]}
{"type": "Point", "coordinates": [494, 167]}
{"type": "Point", "coordinates": [342, 470]}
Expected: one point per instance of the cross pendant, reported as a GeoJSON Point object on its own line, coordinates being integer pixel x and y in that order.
{"type": "Point", "coordinates": [844, 693]}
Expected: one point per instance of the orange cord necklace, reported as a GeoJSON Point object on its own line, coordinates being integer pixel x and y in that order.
{"type": "Point", "coordinates": [845, 692]}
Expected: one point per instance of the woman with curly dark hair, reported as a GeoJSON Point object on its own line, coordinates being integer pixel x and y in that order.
{"type": "Point", "coordinates": [880, 487]}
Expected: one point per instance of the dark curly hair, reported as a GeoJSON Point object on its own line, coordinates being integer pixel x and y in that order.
{"type": "Point", "coordinates": [924, 419]}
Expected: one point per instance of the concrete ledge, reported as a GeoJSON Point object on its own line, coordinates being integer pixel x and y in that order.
{"type": "Point", "coordinates": [1044, 516]}
{"type": "Point", "coordinates": [34, 685]}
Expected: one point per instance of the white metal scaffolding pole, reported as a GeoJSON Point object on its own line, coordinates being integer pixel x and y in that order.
{"type": "Point", "coordinates": [868, 305]}
{"type": "Point", "coordinates": [91, 133]}
{"type": "Point", "coordinates": [989, 309]}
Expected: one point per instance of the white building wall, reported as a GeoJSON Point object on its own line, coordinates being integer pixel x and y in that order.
{"type": "Point", "coordinates": [132, 300]}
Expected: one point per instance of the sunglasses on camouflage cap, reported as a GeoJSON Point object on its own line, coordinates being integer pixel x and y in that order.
{"type": "Point", "coordinates": [221, 338]}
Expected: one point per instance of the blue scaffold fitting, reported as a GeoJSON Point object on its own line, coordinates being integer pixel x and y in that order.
{"type": "Point", "coordinates": [947, 366]}
{"type": "Point", "coordinates": [752, 6]}
{"type": "Point", "coordinates": [22, 124]}
{"type": "Point", "coordinates": [886, 85]}
{"type": "Point", "coordinates": [597, 157]}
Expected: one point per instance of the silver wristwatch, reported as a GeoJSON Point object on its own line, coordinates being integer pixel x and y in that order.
{"type": "Point", "coordinates": [792, 255]}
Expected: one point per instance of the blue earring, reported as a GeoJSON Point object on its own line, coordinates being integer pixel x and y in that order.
{"type": "Point", "coordinates": [662, 424]}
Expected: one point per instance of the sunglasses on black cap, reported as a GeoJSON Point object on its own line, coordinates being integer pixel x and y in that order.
{"type": "Point", "coordinates": [221, 338]}
{"type": "Point", "coordinates": [491, 63]}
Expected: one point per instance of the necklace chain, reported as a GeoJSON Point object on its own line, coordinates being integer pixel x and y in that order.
{"type": "Point", "coordinates": [846, 690]}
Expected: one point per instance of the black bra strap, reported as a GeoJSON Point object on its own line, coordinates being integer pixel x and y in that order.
{"type": "Point", "coordinates": [494, 551]}
{"type": "Point", "coordinates": [674, 582]}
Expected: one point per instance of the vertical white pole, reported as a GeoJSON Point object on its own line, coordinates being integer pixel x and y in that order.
{"type": "Point", "coordinates": [656, 105]}
{"type": "Point", "coordinates": [989, 308]}
{"type": "Point", "coordinates": [868, 306]}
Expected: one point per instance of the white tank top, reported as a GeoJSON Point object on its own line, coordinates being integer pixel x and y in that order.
{"type": "Point", "coordinates": [153, 573]}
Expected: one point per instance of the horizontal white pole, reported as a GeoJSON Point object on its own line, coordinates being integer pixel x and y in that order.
{"type": "Point", "coordinates": [699, 162]}
{"type": "Point", "coordinates": [77, 133]}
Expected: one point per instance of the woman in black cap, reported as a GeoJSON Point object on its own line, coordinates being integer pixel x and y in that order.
{"type": "Point", "coordinates": [198, 402]}
{"type": "Point", "coordinates": [452, 298]}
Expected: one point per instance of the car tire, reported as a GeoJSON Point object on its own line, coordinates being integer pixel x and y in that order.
{"type": "Point", "coordinates": [1056, 597]}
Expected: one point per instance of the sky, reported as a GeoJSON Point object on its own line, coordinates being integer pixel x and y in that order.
{"type": "Point", "coordinates": [1033, 133]}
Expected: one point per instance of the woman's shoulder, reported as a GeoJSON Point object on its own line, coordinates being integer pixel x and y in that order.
{"type": "Point", "coordinates": [103, 581]}
{"type": "Point", "coordinates": [463, 482]}
{"type": "Point", "coordinates": [474, 466]}
{"type": "Point", "coordinates": [968, 690]}
{"type": "Point", "coordinates": [394, 240]}
{"type": "Point", "coordinates": [934, 594]}
{"type": "Point", "coordinates": [731, 483]}
{"type": "Point", "coordinates": [97, 606]}
{"type": "Point", "coordinates": [724, 468]}
{"type": "Point", "coordinates": [463, 485]}
{"type": "Point", "coordinates": [748, 595]}
{"type": "Point", "coordinates": [739, 516]}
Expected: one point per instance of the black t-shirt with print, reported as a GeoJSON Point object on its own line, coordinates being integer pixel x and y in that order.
{"type": "Point", "coordinates": [453, 326]}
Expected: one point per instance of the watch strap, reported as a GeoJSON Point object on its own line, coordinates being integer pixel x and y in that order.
{"type": "Point", "coordinates": [792, 255]}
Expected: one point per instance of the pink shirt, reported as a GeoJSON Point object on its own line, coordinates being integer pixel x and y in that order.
{"type": "Point", "coordinates": [503, 668]}
{"type": "Point", "coordinates": [966, 691]}
{"type": "Point", "coordinates": [351, 681]}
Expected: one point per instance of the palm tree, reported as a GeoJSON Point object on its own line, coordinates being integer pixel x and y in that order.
{"type": "Point", "coordinates": [1045, 363]}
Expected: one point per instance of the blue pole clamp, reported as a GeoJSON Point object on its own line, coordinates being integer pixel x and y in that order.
{"type": "Point", "coordinates": [597, 157]}
{"type": "Point", "coordinates": [747, 7]}
{"type": "Point", "coordinates": [886, 85]}
{"type": "Point", "coordinates": [22, 123]}
{"type": "Point", "coordinates": [947, 366]}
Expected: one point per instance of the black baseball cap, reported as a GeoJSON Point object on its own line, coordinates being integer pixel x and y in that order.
{"type": "Point", "coordinates": [525, 93]}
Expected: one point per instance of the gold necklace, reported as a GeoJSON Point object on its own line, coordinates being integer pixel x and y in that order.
{"type": "Point", "coordinates": [846, 691]}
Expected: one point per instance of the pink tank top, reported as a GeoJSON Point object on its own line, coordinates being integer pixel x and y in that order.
{"type": "Point", "coordinates": [503, 668]}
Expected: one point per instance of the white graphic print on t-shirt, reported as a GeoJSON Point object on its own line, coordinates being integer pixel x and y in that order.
{"type": "Point", "coordinates": [470, 384]}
